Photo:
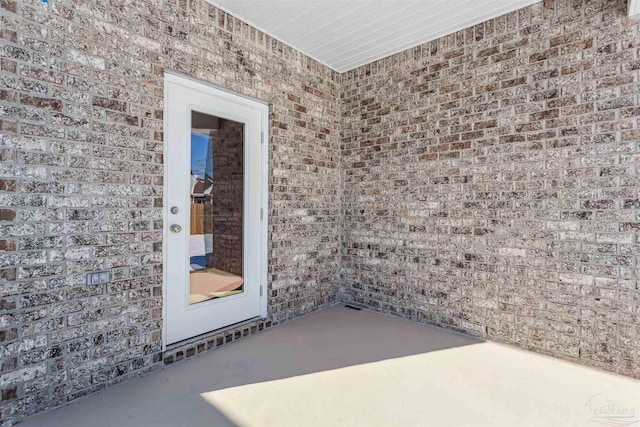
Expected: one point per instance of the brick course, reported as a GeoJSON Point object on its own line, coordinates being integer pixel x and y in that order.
{"type": "Point", "coordinates": [491, 182]}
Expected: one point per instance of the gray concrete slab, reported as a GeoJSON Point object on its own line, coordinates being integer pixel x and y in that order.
{"type": "Point", "coordinates": [341, 367]}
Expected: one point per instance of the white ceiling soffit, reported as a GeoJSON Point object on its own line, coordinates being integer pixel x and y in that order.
{"type": "Point", "coordinates": [633, 9]}
{"type": "Point", "coordinates": [344, 34]}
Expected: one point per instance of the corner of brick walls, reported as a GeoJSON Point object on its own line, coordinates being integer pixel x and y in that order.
{"type": "Point", "coordinates": [81, 170]}
{"type": "Point", "coordinates": [491, 182]}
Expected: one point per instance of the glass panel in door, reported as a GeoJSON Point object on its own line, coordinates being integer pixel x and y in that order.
{"type": "Point", "coordinates": [216, 260]}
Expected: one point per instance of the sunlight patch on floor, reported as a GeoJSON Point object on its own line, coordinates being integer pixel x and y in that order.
{"type": "Point", "coordinates": [485, 384]}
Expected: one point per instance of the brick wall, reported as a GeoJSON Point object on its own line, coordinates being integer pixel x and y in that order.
{"type": "Point", "coordinates": [491, 182]}
{"type": "Point", "coordinates": [228, 172]}
{"type": "Point", "coordinates": [488, 181]}
{"type": "Point", "coordinates": [81, 86]}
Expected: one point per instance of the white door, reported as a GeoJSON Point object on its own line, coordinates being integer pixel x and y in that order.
{"type": "Point", "coordinates": [215, 196]}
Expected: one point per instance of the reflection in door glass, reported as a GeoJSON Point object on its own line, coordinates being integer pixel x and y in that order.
{"type": "Point", "coordinates": [216, 207]}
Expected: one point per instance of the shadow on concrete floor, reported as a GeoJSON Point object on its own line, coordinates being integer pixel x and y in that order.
{"type": "Point", "coordinates": [334, 338]}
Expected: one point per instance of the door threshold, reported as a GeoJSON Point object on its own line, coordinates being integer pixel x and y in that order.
{"type": "Point", "coordinates": [203, 343]}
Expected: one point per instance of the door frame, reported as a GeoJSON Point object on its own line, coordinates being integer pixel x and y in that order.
{"type": "Point", "coordinates": [220, 92]}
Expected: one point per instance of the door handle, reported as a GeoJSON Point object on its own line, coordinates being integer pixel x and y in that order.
{"type": "Point", "coordinates": [175, 228]}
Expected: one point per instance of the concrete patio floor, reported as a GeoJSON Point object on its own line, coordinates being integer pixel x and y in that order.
{"type": "Point", "coordinates": [341, 367]}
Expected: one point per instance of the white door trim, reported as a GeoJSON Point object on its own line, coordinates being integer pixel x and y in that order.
{"type": "Point", "coordinates": [170, 76]}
